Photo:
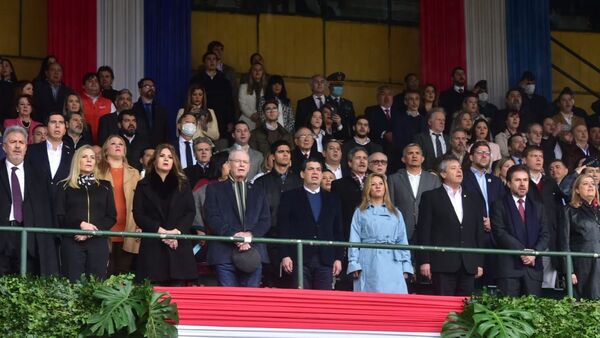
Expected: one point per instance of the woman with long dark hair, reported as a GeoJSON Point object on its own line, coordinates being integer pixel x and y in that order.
{"type": "Point", "coordinates": [163, 204]}
{"type": "Point", "coordinates": [87, 203]}
{"type": "Point", "coordinates": [206, 124]}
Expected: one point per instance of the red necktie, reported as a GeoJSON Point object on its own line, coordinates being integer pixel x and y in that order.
{"type": "Point", "coordinates": [521, 209]}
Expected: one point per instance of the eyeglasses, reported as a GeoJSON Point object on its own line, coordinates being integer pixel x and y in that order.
{"type": "Point", "coordinates": [483, 152]}
{"type": "Point", "coordinates": [379, 162]}
{"type": "Point", "coordinates": [304, 136]}
{"type": "Point", "coordinates": [240, 161]}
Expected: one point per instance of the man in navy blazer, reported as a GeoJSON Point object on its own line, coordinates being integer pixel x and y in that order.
{"type": "Point", "coordinates": [311, 213]}
{"type": "Point", "coordinates": [52, 158]}
{"type": "Point", "coordinates": [233, 208]}
{"type": "Point", "coordinates": [519, 224]}
{"type": "Point", "coordinates": [50, 94]}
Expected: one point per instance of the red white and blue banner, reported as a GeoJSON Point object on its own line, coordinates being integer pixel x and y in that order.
{"type": "Point", "coordinates": [253, 312]}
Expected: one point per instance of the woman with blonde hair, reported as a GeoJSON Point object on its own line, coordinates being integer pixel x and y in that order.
{"type": "Point", "coordinates": [206, 124]}
{"type": "Point", "coordinates": [501, 168]}
{"type": "Point", "coordinates": [376, 220]}
{"type": "Point", "coordinates": [164, 204]}
{"type": "Point", "coordinates": [250, 93]}
{"type": "Point", "coordinates": [114, 168]}
{"type": "Point", "coordinates": [84, 202]}
{"type": "Point", "coordinates": [581, 233]}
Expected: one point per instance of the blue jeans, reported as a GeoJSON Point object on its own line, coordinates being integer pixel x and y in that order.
{"type": "Point", "coordinates": [228, 275]}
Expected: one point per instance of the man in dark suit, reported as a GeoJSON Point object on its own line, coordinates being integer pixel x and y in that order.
{"type": "Point", "coordinates": [411, 83]}
{"type": "Point", "coordinates": [544, 190]}
{"type": "Point", "coordinates": [49, 95]}
{"type": "Point", "coordinates": [153, 119]}
{"type": "Point", "coordinates": [311, 213]}
{"type": "Point", "coordinates": [408, 185]}
{"type": "Point", "coordinates": [452, 98]}
{"type": "Point", "coordinates": [449, 216]}
{"type": "Point", "coordinates": [233, 208]}
{"type": "Point", "coordinates": [434, 142]}
{"type": "Point", "coordinates": [305, 148]}
{"type": "Point", "coordinates": [519, 223]}
{"type": "Point", "coordinates": [380, 116]}
{"type": "Point", "coordinates": [532, 102]}
{"type": "Point", "coordinates": [53, 157]}
{"type": "Point", "coordinates": [109, 123]}
{"type": "Point", "coordinates": [408, 122]}
{"type": "Point", "coordinates": [343, 107]}
{"type": "Point", "coordinates": [135, 142]}
{"type": "Point", "coordinates": [203, 147]}
{"type": "Point", "coordinates": [24, 202]}
{"type": "Point", "coordinates": [309, 104]}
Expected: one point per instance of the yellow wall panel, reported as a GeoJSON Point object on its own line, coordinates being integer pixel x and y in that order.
{"type": "Point", "coordinates": [291, 45]}
{"type": "Point", "coordinates": [585, 44]}
{"type": "Point", "coordinates": [297, 89]}
{"type": "Point", "coordinates": [9, 26]}
{"type": "Point", "coordinates": [405, 53]}
{"type": "Point", "coordinates": [236, 31]}
{"type": "Point", "coordinates": [361, 50]}
{"type": "Point", "coordinates": [27, 69]}
{"type": "Point", "coordinates": [34, 38]}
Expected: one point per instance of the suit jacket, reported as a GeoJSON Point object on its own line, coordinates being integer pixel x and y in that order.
{"type": "Point", "coordinates": [404, 128]}
{"type": "Point", "coordinates": [350, 193]}
{"type": "Point", "coordinates": [403, 198]}
{"type": "Point", "coordinates": [134, 149]}
{"type": "Point", "coordinates": [296, 221]}
{"type": "Point", "coordinates": [303, 109]}
{"type": "Point", "coordinates": [222, 218]}
{"type": "Point", "coordinates": [439, 226]}
{"type": "Point", "coordinates": [506, 225]}
{"type": "Point", "coordinates": [45, 102]}
{"type": "Point", "coordinates": [495, 189]}
{"type": "Point", "coordinates": [298, 158]}
{"type": "Point", "coordinates": [256, 161]}
{"type": "Point", "coordinates": [424, 140]}
{"type": "Point", "coordinates": [378, 122]}
{"type": "Point", "coordinates": [159, 133]}
{"type": "Point", "coordinates": [107, 125]}
{"type": "Point", "coordinates": [36, 213]}
{"type": "Point", "coordinates": [572, 154]}
{"type": "Point", "coordinates": [274, 186]}
{"type": "Point", "coordinates": [451, 101]}
{"type": "Point", "coordinates": [345, 109]}
{"type": "Point", "coordinates": [37, 156]}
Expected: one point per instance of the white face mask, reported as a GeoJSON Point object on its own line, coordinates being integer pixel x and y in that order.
{"type": "Point", "coordinates": [530, 89]}
{"type": "Point", "coordinates": [188, 129]}
{"type": "Point", "coordinates": [483, 97]}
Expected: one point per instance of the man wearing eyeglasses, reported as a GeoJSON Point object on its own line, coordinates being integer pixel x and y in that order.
{"type": "Point", "coordinates": [378, 163]}
{"type": "Point", "coordinates": [151, 116]}
{"type": "Point", "coordinates": [488, 188]}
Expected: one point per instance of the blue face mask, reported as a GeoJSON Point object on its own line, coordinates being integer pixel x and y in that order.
{"type": "Point", "coordinates": [337, 91]}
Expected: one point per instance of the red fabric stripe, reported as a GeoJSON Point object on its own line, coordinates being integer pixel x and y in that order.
{"type": "Point", "coordinates": [442, 40]}
{"type": "Point", "coordinates": [311, 309]}
{"type": "Point", "coordinates": [72, 38]}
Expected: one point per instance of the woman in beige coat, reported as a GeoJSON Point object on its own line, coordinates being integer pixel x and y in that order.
{"type": "Point", "coordinates": [113, 167]}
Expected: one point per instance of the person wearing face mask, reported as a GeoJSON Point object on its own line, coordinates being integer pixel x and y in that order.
{"type": "Point", "coordinates": [532, 102]}
{"type": "Point", "coordinates": [185, 146]}
{"type": "Point", "coordinates": [486, 108]}
{"type": "Point", "coordinates": [342, 106]}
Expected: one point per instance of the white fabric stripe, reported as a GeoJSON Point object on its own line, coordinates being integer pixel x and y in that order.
{"type": "Point", "coordinates": [485, 27]}
{"type": "Point", "coordinates": [185, 331]}
{"type": "Point", "coordinates": [120, 33]}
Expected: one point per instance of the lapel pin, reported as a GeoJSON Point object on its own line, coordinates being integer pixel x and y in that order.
{"type": "Point", "coordinates": [489, 180]}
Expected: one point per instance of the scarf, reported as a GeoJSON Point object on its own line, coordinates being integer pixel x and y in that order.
{"type": "Point", "coordinates": [86, 180]}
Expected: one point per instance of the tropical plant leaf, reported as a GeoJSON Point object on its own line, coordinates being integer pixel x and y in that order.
{"type": "Point", "coordinates": [505, 323]}
{"type": "Point", "coordinates": [161, 316]}
{"type": "Point", "coordinates": [117, 309]}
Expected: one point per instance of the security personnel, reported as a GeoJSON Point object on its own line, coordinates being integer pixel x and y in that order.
{"type": "Point", "coordinates": [344, 109]}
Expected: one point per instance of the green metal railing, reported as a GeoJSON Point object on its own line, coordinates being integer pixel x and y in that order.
{"type": "Point", "coordinates": [299, 246]}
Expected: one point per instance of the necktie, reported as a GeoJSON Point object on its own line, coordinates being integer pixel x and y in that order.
{"type": "Point", "coordinates": [438, 145]}
{"type": "Point", "coordinates": [306, 155]}
{"type": "Point", "coordinates": [149, 117]}
{"type": "Point", "coordinates": [460, 90]}
{"type": "Point", "coordinates": [521, 209]}
{"type": "Point", "coordinates": [320, 102]}
{"type": "Point", "coordinates": [387, 114]}
{"type": "Point", "coordinates": [188, 154]}
{"type": "Point", "coordinates": [17, 198]}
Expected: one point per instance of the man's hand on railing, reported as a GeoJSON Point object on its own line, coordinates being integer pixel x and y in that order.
{"type": "Point", "coordinates": [337, 267]}
{"type": "Point", "coordinates": [287, 264]}
{"type": "Point", "coordinates": [242, 244]}
{"type": "Point", "coordinates": [426, 270]}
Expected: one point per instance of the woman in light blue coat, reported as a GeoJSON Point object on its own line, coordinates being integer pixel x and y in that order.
{"type": "Point", "coordinates": [376, 220]}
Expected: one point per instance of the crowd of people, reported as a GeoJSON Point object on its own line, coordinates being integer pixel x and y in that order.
{"type": "Point", "coordinates": [426, 167]}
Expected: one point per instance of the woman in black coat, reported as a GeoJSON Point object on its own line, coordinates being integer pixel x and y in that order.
{"type": "Point", "coordinates": [164, 204]}
{"type": "Point", "coordinates": [581, 233]}
{"type": "Point", "coordinates": [87, 203]}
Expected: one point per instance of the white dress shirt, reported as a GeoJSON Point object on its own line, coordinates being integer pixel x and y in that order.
{"type": "Point", "coordinates": [336, 171]}
{"type": "Point", "coordinates": [456, 200]}
{"type": "Point", "coordinates": [54, 157]}
{"type": "Point", "coordinates": [182, 156]}
{"type": "Point", "coordinates": [516, 199]}
{"type": "Point", "coordinates": [21, 176]}
{"type": "Point", "coordinates": [316, 99]}
{"type": "Point", "coordinates": [414, 182]}
{"type": "Point", "coordinates": [433, 137]}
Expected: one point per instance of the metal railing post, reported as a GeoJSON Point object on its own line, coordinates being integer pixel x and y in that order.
{"type": "Point", "coordinates": [300, 265]}
{"type": "Point", "coordinates": [23, 252]}
{"type": "Point", "coordinates": [569, 273]}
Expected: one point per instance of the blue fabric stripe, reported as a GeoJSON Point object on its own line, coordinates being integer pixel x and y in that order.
{"type": "Point", "coordinates": [528, 42]}
{"type": "Point", "coordinates": [167, 55]}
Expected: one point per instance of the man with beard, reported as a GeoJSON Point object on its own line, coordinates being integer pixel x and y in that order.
{"type": "Point", "coordinates": [152, 118]}
{"type": "Point", "coordinates": [135, 142]}
{"type": "Point", "coordinates": [109, 123]}
{"type": "Point", "coordinates": [458, 145]}
{"type": "Point", "coordinates": [514, 104]}
{"type": "Point", "coordinates": [452, 98]}
{"type": "Point", "coordinates": [360, 139]}
{"type": "Point", "coordinates": [279, 180]}
{"type": "Point", "coordinates": [75, 137]}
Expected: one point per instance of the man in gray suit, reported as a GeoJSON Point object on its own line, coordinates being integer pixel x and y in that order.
{"type": "Point", "coordinates": [407, 185]}
{"type": "Point", "coordinates": [241, 136]}
{"type": "Point", "coordinates": [434, 143]}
